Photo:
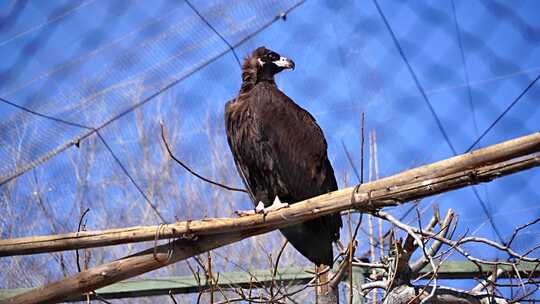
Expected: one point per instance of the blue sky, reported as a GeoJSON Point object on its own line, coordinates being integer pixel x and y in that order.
{"type": "Point", "coordinates": [89, 61]}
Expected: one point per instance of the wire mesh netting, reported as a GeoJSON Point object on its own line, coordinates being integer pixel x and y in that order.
{"type": "Point", "coordinates": [85, 85]}
{"type": "Point", "coordinates": [86, 77]}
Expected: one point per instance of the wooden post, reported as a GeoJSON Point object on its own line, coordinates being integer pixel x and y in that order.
{"type": "Point", "coordinates": [325, 292]}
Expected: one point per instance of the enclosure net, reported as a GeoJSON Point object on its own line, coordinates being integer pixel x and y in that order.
{"type": "Point", "coordinates": [86, 85]}
{"type": "Point", "coordinates": [88, 77]}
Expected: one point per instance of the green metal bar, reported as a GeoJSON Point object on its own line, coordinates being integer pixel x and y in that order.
{"type": "Point", "coordinates": [359, 278]}
{"type": "Point", "coordinates": [185, 284]}
{"type": "Point", "coordinates": [290, 276]}
{"type": "Point", "coordinates": [468, 270]}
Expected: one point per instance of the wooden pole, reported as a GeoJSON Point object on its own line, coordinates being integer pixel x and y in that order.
{"type": "Point", "coordinates": [471, 168]}
{"type": "Point", "coordinates": [142, 262]}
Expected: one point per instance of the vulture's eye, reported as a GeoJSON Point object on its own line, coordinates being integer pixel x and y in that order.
{"type": "Point", "coordinates": [273, 56]}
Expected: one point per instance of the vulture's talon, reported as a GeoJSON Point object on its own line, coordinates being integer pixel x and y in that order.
{"type": "Point", "coordinates": [260, 208]}
{"type": "Point", "coordinates": [276, 205]}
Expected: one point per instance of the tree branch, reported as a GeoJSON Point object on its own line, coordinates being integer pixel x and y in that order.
{"type": "Point", "coordinates": [432, 251]}
{"type": "Point", "coordinates": [407, 294]}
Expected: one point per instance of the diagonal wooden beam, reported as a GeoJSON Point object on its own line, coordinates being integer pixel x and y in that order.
{"type": "Point", "coordinates": [330, 203]}
{"type": "Point", "coordinates": [142, 262]}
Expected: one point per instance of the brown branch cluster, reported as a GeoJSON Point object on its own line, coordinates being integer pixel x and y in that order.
{"type": "Point", "coordinates": [397, 273]}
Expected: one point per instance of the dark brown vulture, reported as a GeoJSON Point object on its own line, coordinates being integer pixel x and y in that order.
{"type": "Point", "coordinates": [280, 152]}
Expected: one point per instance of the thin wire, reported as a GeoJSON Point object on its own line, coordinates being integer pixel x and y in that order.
{"type": "Point", "coordinates": [49, 21]}
{"type": "Point", "coordinates": [79, 230]}
{"type": "Point", "coordinates": [415, 78]}
{"type": "Point", "coordinates": [465, 69]}
{"type": "Point", "coordinates": [510, 106]}
{"type": "Point", "coordinates": [60, 149]}
{"type": "Point", "coordinates": [351, 163]}
{"type": "Point", "coordinates": [469, 88]}
{"type": "Point", "coordinates": [92, 130]}
{"type": "Point", "coordinates": [215, 31]}
{"type": "Point", "coordinates": [130, 177]}
{"type": "Point", "coordinates": [432, 110]}
{"type": "Point", "coordinates": [473, 113]}
{"type": "Point", "coordinates": [490, 217]}
{"type": "Point", "coordinates": [73, 124]}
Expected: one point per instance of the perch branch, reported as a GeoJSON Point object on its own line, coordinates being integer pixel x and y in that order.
{"type": "Point", "coordinates": [475, 167]}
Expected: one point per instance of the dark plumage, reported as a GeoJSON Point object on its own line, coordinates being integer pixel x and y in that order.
{"type": "Point", "coordinates": [279, 150]}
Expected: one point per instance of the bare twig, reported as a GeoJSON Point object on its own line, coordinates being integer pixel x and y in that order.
{"type": "Point", "coordinates": [429, 257]}
{"type": "Point", "coordinates": [171, 296]}
{"type": "Point", "coordinates": [274, 271]}
{"type": "Point", "coordinates": [521, 227]}
{"type": "Point", "coordinates": [350, 258]}
{"type": "Point", "coordinates": [462, 241]}
{"type": "Point", "coordinates": [344, 267]}
{"type": "Point", "coordinates": [181, 163]}
{"type": "Point", "coordinates": [79, 230]}
{"type": "Point", "coordinates": [409, 294]}
{"type": "Point", "coordinates": [490, 280]}
{"type": "Point", "coordinates": [372, 285]}
{"type": "Point", "coordinates": [210, 277]}
{"type": "Point", "coordinates": [432, 251]}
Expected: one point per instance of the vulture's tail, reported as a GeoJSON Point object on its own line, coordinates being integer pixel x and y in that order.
{"type": "Point", "coordinates": [313, 239]}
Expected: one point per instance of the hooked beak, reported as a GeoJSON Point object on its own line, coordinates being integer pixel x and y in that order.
{"type": "Point", "coordinates": [284, 63]}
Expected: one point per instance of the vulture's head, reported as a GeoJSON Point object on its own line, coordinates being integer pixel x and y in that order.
{"type": "Point", "coordinates": [267, 63]}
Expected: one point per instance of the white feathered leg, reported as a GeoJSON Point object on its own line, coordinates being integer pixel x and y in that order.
{"type": "Point", "coordinates": [276, 205]}
{"type": "Point", "coordinates": [260, 209]}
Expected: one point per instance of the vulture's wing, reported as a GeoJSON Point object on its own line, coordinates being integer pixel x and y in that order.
{"type": "Point", "coordinates": [293, 138]}
{"type": "Point", "coordinates": [236, 136]}
{"type": "Point", "coordinates": [280, 150]}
